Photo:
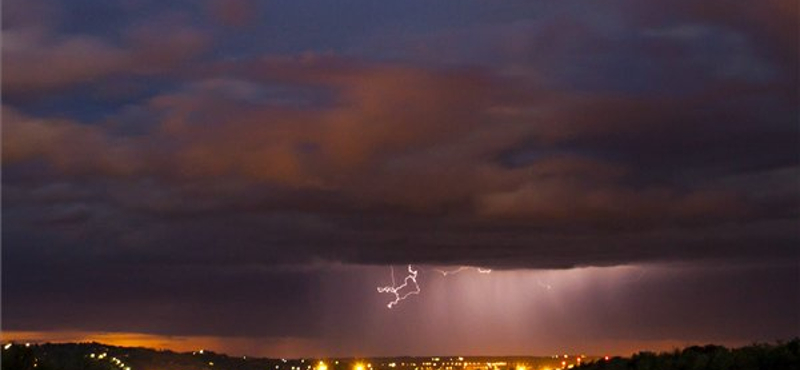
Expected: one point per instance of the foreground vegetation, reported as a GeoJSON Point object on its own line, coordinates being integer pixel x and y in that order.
{"type": "Point", "coordinates": [780, 356]}
{"type": "Point", "coordinates": [96, 356]}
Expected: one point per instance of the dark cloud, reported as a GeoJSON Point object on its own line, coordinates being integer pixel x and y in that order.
{"type": "Point", "coordinates": [638, 133]}
{"type": "Point", "coordinates": [405, 143]}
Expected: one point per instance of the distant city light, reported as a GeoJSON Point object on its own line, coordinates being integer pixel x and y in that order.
{"type": "Point", "coordinates": [7, 346]}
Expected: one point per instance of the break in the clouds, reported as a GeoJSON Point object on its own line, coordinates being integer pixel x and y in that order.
{"type": "Point", "coordinates": [235, 147]}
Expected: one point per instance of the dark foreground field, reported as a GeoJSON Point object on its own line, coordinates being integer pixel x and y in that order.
{"type": "Point", "coordinates": [95, 356]}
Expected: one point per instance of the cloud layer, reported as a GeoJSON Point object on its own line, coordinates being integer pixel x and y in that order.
{"type": "Point", "coordinates": [158, 144]}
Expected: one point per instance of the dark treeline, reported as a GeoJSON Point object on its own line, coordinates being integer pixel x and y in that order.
{"type": "Point", "coordinates": [780, 356]}
{"type": "Point", "coordinates": [96, 356]}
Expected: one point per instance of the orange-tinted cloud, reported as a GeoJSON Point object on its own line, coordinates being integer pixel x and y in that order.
{"type": "Point", "coordinates": [154, 46]}
{"type": "Point", "coordinates": [234, 13]}
{"type": "Point", "coordinates": [389, 135]}
{"type": "Point", "coordinates": [68, 146]}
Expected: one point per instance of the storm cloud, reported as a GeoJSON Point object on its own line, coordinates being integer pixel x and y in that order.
{"type": "Point", "coordinates": [206, 151]}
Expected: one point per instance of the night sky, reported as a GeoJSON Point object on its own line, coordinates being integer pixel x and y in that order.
{"type": "Point", "coordinates": [242, 175]}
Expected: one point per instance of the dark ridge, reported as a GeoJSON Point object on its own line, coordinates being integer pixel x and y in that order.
{"type": "Point", "coordinates": [97, 356]}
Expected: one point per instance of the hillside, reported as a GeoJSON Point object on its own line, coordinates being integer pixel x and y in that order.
{"type": "Point", "coordinates": [96, 356]}
{"type": "Point", "coordinates": [781, 356]}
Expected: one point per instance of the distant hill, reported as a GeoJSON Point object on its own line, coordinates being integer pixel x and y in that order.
{"type": "Point", "coordinates": [96, 356]}
{"type": "Point", "coordinates": [780, 356]}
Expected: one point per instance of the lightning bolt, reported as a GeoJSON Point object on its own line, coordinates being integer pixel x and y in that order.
{"type": "Point", "coordinates": [410, 279]}
{"type": "Point", "coordinates": [451, 272]}
{"type": "Point", "coordinates": [410, 282]}
{"type": "Point", "coordinates": [480, 270]}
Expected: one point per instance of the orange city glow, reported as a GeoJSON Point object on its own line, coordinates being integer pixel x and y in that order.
{"type": "Point", "coordinates": [267, 347]}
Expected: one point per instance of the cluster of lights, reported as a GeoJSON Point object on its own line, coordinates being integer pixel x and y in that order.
{"type": "Point", "coordinates": [321, 365]}
{"type": "Point", "coordinates": [434, 363]}
{"type": "Point", "coordinates": [402, 364]}
{"type": "Point", "coordinates": [117, 362]}
{"type": "Point", "coordinates": [8, 346]}
{"type": "Point", "coordinates": [567, 365]}
{"type": "Point", "coordinates": [362, 366]}
{"type": "Point", "coordinates": [561, 362]}
{"type": "Point", "coordinates": [202, 351]}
